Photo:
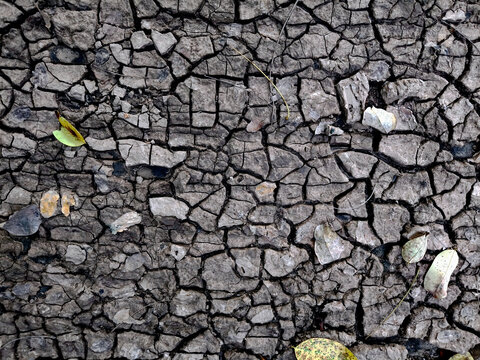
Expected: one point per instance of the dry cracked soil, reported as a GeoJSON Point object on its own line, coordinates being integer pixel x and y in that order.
{"type": "Point", "coordinates": [184, 131]}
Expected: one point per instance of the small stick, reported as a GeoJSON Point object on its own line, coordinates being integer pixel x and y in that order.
{"type": "Point", "coordinates": [396, 307]}
{"type": "Point", "coordinates": [271, 82]}
{"type": "Point", "coordinates": [270, 65]}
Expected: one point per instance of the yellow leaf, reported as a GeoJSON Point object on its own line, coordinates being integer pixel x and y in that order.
{"type": "Point", "coordinates": [323, 349]}
{"type": "Point", "coordinates": [466, 356]}
{"type": "Point", "coordinates": [68, 135]}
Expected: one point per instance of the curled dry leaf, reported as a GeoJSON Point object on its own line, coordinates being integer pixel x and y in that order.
{"type": "Point", "coordinates": [329, 246]}
{"type": "Point", "coordinates": [67, 201]}
{"type": "Point", "coordinates": [414, 250]}
{"type": "Point", "coordinates": [123, 317]}
{"type": "Point", "coordinates": [438, 275]}
{"type": "Point", "coordinates": [322, 349]}
{"type": "Point", "coordinates": [379, 119]}
{"type": "Point", "coordinates": [48, 203]}
{"type": "Point", "coordinates": [125, 221]}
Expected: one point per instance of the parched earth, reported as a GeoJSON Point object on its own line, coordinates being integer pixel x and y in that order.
{"type": "Point", "coordinates": [184, 131]}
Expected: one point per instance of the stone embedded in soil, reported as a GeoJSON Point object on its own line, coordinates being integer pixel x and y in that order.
{"type": "Point", "coordinates": [24, 222]}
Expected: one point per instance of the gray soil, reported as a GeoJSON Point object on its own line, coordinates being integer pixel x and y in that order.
{"type": "Point", "coordinates": [182, 130]}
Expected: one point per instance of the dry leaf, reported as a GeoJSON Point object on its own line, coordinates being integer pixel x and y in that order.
{"type": "Point", "coordinates": [123, 317]}
{"type": "Point", "coordinates": [48, 203]}
{"type": "Point", "coordinates": [333, 130]}
{"type": "Point", "coordinates": [329, 130]}
{"type": "Point", "coordinates": [125, 221]}
{"type": "Point", "coordinates": [255, 125]}
{"type": "Point", "coordinates": [67, 201]}
{"type": "Point", "coordinates": [438, 276]}
{"type": "Point", "coordinates": [414, 250]}
{"type": "Point", "coordinates": [456, 16]}
{"type": "Point", "coordinates": [466, 356]}
{"type": "Point", "coordinates": [329, 246]}
{"type": "Point", "coordinates": [379, 119]}
{"type": "Point", "coordinates": [322, 349]}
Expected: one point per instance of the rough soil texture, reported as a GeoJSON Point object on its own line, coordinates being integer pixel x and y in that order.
{"type": "Point", "coordinates": [182, 130]}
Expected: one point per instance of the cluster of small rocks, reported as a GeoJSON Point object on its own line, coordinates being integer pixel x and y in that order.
{"type": "Point", "coordinates": [180, 129]}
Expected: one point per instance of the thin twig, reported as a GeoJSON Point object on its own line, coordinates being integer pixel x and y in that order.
{"type": "Point", "coordinates": [280, 35]}
{"type": "Point", "coordinates": [46, 19]}
{"type": "Point", "coordinates": [26, 337]}
{"type": "Point", "coordinates": [359, 205]}
{"type": "Point", "coordinates": [269, 80]}
{"type": "Point", "coordinates": [396, 307]}
{"type": "Point", "coordinates": [270, 65]}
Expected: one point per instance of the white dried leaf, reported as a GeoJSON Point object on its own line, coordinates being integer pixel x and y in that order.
{"type": "Point", "coordinates": [414, 250]}
{"type": "Point", "coordinates": [329, 246]}
{"type": "Point", "coordinates": [379, 119]}
{"type": "Point", "coordinates": [125, 221]}
{"type": "Point", "coordinates": [333, 130]}
{"type": "Point", "coordinates": [455, 16]}
{"type": "Point", "coordinates": [123, 317]}
{"type": "Point", "coordinates": [438, 276]}
{"type": "Point", "coordinates": [329, 130]}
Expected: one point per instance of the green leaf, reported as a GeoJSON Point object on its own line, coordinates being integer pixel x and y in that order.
{"type": "Point", "coordinates": [438, 276]}
{"type": "Point", "coordinates": [322, 349]}
{"type": "Point", "coordinates": [68, 135]}
{"type": "Point", "coordinates": [414, 250]}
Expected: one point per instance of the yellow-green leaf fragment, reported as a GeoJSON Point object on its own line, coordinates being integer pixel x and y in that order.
{"type": "Point", "coordinates": [466, 356]}
{"type": "Point", "coordinates": [67, 134]}
{"type": "Point", "coordinates": [322, 349]}
{"type": "Point", "coordinates": [414, 250]}
{"type": "Point", "coordinates": [438, 276]}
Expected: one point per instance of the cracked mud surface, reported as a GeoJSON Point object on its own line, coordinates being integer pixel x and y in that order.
{"type": "Point", "coordinates": [223, 264]}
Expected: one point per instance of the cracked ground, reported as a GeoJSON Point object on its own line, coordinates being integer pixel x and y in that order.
{"type": "Point", "coordinates": [184, 131]}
